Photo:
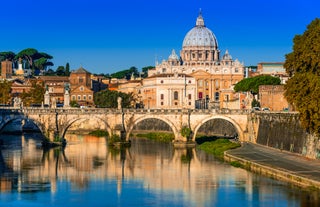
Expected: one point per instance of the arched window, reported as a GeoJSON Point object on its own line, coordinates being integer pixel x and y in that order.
{"type": "Point", "coordinates": [175, 95]}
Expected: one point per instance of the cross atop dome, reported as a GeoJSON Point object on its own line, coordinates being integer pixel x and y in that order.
{"type": "Point", "coordinates": [200, 21]}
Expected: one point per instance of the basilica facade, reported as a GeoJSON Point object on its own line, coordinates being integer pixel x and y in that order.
{"type": "Point", "coordinates": [199, 78]}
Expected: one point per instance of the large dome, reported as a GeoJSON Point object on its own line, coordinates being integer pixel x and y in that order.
{"type": "Point", "coordinates": [200, 35]}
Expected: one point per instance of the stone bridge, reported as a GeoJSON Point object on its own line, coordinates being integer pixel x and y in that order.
{"type": "Point", "coordinates": [56, 122]}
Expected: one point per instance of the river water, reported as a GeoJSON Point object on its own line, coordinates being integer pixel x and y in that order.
{"type": "Point", "coordinates": [89, 173]}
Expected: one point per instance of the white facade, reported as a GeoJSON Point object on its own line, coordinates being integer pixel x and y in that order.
{"type": "Point", "coordinates": [169, 91]}
{"type": "Point", "coordinates": [200, 58]}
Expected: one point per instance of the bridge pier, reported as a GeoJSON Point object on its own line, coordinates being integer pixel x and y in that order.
{"type": "Point", "coordinates": [51, 135]}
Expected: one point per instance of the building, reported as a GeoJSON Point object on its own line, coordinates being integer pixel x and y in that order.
{"type": "Point", "coordinates": [169, 90]}
{"type": "Point", "coordinates": [213, 77]}
{"type": "Point", "coordinates": [272, 97]}
{"type": "Point", "coordinates": [55, 85]}
{"type": "Point", "coordinates": [132, 87]}
{"type": "Point", "coordinates": [6, 69]}
{"type": "Point", "coordinates": [275, 69]}
{"type": "Point", "coordinates": [81, 87]}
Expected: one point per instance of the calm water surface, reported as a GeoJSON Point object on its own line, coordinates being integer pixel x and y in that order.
{"type": "Point", "coordinates": [89, 173]}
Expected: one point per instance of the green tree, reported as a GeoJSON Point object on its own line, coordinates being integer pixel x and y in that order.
{"type": "Point", "coordinates": [109, 99]}
{"type": "Point", "coordinates": [126, 73]}
{"type": "Point", "coordinates": [35, 95]}
{"type": "Point", "coordinates": [67, 73]}
{"type": "Point", "coordinates": [252, 84]}
{"type": "Point", "coordinates": [42, 63]}
{"type": "Point", "coordinates": [303, 65]}
{"type": "Point", "coordinates": [35, 59]}
{"type": "Point", "coordinates": [7, 56]}
{"type": "Point", "coordinates": [145, 71]}
{"type": "Point", "coordinates": [5, 92]}
{"type": "Point", "coordinates": [60, 71]}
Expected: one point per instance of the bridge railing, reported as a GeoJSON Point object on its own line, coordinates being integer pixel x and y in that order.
{"type": "Point", "coordinates": [41, 110]}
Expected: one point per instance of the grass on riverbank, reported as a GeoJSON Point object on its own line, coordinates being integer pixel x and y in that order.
{"type": "Point", "coordinates": [99, 133]}
{"type": "Point", "coordinates": [218, 146]}
{"type": "Point", "coordinates": [157, 136]}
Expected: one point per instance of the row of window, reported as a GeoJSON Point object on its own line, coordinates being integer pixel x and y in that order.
{"type": "Point", "coordinates": [81, 98]}
{"type": "Point", "coordinates": [175, 103]}
{"type": "Point", "coordinates": [175, 96]}
{"type": "Point", "coordinates": [200, 96]}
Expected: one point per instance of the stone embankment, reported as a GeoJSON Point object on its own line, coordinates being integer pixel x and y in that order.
{"type": "Point", "coordinates": [280, 149]}
{"type": "Point", "coordinates": [278, 164]}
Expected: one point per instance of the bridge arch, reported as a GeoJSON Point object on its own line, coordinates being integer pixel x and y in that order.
{"type": "Point", "coordinates": [167, 121]}
{"type": "Point", "coordinates": [9, 120]}
{"type": "Point", "coordinates": [232, 121]}
{"type": "Point", "coordinates": [63, 129]}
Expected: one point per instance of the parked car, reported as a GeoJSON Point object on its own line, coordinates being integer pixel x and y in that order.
{"type": "Point", "coordinates": [255, 109]}
{"type": "Point", "coordinates": [265, 109]}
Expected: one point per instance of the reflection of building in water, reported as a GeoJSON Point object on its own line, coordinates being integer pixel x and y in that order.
{"type": "Point", "coordinates": [160, 167]}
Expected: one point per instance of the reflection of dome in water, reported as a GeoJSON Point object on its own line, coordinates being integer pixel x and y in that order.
{"type": "Point", "coordinates": [200, 35]}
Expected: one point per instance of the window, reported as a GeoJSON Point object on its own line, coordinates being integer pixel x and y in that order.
{"type": "Point", "coordinates": [164, 70]}
{"type": "Point", "coordinates": [217, 83]}
{"type": "Point", "coordinates": [73, 98]}
{"type": "Point", "coordinates": [189, 96]}
{"type": "Point", "coordinates": [90, 97]}
{"type": "Point", "coordinates": [161, 103]}
{"type": "Point", "coordinates": [161, 96]}
{"type": "Point", "coordinates": [175, 95]}
{"type": "Point", "coordinates": [200, 83]}
{"type": "Point", "coordinates": [161, 81]}
{"type": "Point", "coordinates": [216, 96]}
{"type": "Point", "coordinates": [79, 97]}
{"type": "Point", "coordinates": [200, 95]}
{"type": "Point", "coordinates": [189, 81]}
{"type": "Point", "coordinates": [236, 70]}
{"type": "Point", "coordinates": [80, 80]}
{"type": "Point", "coordinates": [84, 97]}
{"type": "Point", "coordinates": [81, 88]}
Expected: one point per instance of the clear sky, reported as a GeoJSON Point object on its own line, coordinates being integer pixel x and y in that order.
{"type": "Point", "coordinates": [105, 36]}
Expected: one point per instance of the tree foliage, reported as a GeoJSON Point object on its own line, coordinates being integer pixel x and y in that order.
{"type": "Point", "coordinates": [35, 95]}
{"type": "Point", "coordinates": [5, 92]}
{"type": "Point", "coordinates": [35, 59]}
{"type": "Point", "coordinates": [109, 99]}
{"type": "Point", "coordinates": [145, 71]}
{"type": "Point", "coordinates": [303, 88]}
{"type": "Point", "coordinates": [126, 73]}
{"type": "Point", "coordinates": [7, 55]}
{"type": "Point", "coordinates": [252, 84]}
{"type": "Point", "coordinates": [305, 56]}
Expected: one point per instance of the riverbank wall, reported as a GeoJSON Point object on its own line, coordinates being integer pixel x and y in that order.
{"type": "Point", "coordinates": [273, 171]}
{"type": "Point", "coordinates": [283, 131]}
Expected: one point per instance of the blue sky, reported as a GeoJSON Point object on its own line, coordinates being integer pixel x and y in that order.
{"type": "Point", "coordinates": [105, 36]}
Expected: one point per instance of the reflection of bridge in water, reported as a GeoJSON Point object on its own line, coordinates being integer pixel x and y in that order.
{"type": "Point", "coordinates": [88, 159]}
{"type": "Point", "coordinates": [56, 122]}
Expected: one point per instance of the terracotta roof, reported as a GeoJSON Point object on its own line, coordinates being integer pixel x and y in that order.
{"type": "Point", "coordinates": [54, 78]}
{"type": "Point", "coordinates": [80, 70]}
